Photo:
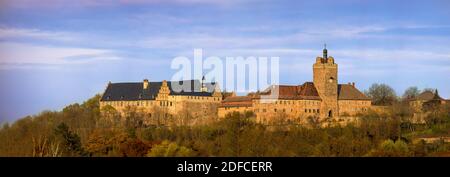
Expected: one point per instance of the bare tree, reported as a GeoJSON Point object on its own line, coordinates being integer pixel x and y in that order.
{"type": "Point", "coordinates": [411, 92]}
{"type": "Point", "coordinates": [43, 148]}
{"type": "Point", "coordinates": [382, 94]}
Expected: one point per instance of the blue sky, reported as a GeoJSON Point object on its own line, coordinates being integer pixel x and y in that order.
{"type": "Point", "coordinates": [57, 52]}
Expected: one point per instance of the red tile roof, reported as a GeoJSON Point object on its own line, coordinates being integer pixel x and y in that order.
{"type": "Point", "coordinates": [306, 91]}
{"type": "Point", "coordinates": [237, 101]}
{"type": "Point", "coordinates": [350, 92]}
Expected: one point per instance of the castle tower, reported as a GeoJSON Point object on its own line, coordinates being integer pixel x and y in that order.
{"type": "Point", "coordinates": [326, 82]}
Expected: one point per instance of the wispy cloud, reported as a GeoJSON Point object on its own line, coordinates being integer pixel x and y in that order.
{"type": "Point", "coordinates": [16, 54]}
{"type": "Point", "coordinates": [54, 4]}
{"type": "Point", "coordinates": [210, 41]}
{"type": "Point", "coordinates": [349, 31]}
{"type": "Point", "coordinates": [211, 2]}
{"type": "Point", "coordinates": [238, 38]}
{"type": "Point", "coordinates": [19, 33]}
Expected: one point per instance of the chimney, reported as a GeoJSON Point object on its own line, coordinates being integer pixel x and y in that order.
{"type": "Point", "coordinates": [145, 84]}
{"type": "Point", "coordinates": [353, 84]}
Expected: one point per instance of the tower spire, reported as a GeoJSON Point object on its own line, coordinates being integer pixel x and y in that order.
{"type": "Point", "coordinates": [203, 88]}
{"type": "Point", "coordinates": [325, 52]}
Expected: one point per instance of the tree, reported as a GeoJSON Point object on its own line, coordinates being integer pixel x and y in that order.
{"type": "Point", "coordinates": [185, 116]}
{"type": "Point", "coordinates": [170, 149]}
{"type": "Point", "coordinates": [411, 92]}
{"type": "Point", "coordinates": [429, 90]}
{"type": "Point", "coordinates": [42, 147]}
{"type": "Point", "coordinates": [313, 121]}
{"type": "Point", "coordinates": [439, 114]}
{"type": "Point", "coordinates": [70, 140]}
{"type": "Point", "coordinates": [381, 94]}
{"type": "Point", "coordinates": [420, 149]}
{"type": "Point", "coordinates": [389, 148]}
{"type": "Point", "coordinates": [234, 125]}
{"type": "Point", "coordinates": [115, 142]}
{"type": "Point", "coordinates": [5, 126]}
{"type": "Point", "coordinates": [134, 118]}
{"type": "Point", "coordinates": [159, 116]}
{"type": "Point", "coordinates": [133, 147]}
{"type": "Point", "coordinates": [110, 117]}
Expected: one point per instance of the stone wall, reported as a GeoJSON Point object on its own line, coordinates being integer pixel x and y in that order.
{"type": "Point", "coordinates": [196, 106]}
{"type": "Point", "coordinates": [353, 107]}
{"type": "Point", "coordinates": [223, 111]}
{"type": "Point", "coordinates": [291, 110]}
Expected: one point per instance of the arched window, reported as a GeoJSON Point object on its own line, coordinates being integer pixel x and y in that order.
{"type": "Point", "coordinates": [330, 114]}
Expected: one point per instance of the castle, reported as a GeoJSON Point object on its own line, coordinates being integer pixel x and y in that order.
{"type": "Point", "coordinates": [153, 98]}
{"type": "Point", "coordinates": [322, 99]}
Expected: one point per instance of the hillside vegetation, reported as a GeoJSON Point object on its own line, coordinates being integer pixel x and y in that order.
{"type": "Point", "coordinates": [80, 130]}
